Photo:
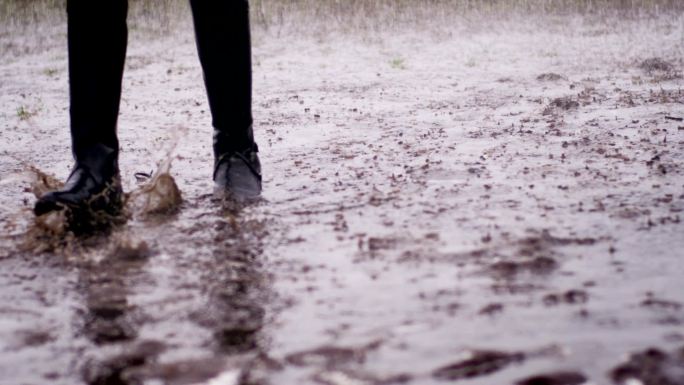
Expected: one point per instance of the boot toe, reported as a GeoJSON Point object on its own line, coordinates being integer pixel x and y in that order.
{"type": "Point", "coordinates": [244, 185]}
{"type": "Point", "coordinates": [52, 201]}
{"type": "Point", "coordinates": [239, 177]}
{"type": "Point", "coordinates": [47, 203]}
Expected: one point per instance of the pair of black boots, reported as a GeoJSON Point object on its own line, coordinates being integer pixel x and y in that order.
{"type": "Point", "coordinates": [97, 40]}
{"type": "Point", "coordinates": [94, 185]}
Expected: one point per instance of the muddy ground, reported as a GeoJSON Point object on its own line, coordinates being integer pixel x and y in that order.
{"type": "Point", "coordinates": [494, 205]}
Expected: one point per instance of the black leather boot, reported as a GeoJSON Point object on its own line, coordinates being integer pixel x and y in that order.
{"type": "Point", "coordinates": [94, 185]}
{"type": "Point", "coordinates": [237, 169]}
{"type": "Point", "coordinates": [238, 173]}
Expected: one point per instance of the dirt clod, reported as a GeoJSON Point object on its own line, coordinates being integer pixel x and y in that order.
{"type": "Point", "coordinates": [550, 77]}
{"type": "Point", "coordinates": [480, 363]}
{"type": "Point", "coordinates": [652, 367]}
{"type": "Point", "coordinates": [654, 64]}
{"type": "Point", "coordinates": [558, 378]}
{"type": "Point", "coordinates": [564, 103]}
{"type": "Point", "coordinates": [537, 265]}
{"type": "Point", "coordinates": [571, 297]}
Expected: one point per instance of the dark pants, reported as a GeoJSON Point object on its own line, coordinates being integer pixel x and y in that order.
{"type": "Point", "coordinates": [97, 49]}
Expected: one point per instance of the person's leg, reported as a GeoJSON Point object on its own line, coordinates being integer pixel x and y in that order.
{"type": "Point", "coordinates": [97, 37]}
{"type": "Point", "coordinates": [223, 44]}
{"type": "Point", "coordinates": [224, 48]}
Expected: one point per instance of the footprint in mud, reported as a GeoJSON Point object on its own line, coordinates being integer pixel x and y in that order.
{"type": "Point", "coordinates": [479, 363]}
{"type": "Point", "coordinates": [651, 367]}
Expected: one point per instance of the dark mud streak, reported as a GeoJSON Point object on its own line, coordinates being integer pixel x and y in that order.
{"type": "Point", "coordinates": [109, 266]}
{"type": "Point", "coordinates": [557, 378]}
{"type": "Point", "coordinates": [234, 310]}
{"type": "Point", "coordinates": [238, 290]}
{"type": "Point", "coordinates": [233, 287]}
{"type": "Point", "coordinates": [109, 318]}
{"type": "Point", "coordinates": [481, 363]}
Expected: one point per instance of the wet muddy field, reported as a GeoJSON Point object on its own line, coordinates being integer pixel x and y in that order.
{"type": "Point", "coordinates": [496, 205]}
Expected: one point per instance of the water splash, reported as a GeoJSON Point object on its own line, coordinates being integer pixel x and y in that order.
{"type": "Point", "coordinates": [58, 230]}
{"type": "Point", "coordinates": [160, 195]}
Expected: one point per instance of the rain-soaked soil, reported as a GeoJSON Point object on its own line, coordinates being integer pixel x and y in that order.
{"type": "Point", "coordinates": [494, 205]}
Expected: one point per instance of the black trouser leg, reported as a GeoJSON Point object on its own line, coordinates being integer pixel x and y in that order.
{"type": "Point", "coordinates": [97, 50]}
{"type": "Point", "coordinates": [223, 44]}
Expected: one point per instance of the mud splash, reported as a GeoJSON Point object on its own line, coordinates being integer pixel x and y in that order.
{"type": "Point", "coordinates": [160, 195]}
{"type": "Point", "coordinates": [58, 230]}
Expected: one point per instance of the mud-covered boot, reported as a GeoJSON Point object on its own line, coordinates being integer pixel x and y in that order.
{"type": "Point", "coordinates": [94, 185]}
{"type": "Point", "coordinates": [239, 173]}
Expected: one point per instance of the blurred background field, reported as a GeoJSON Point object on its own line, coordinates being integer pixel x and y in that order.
{"type": "Point", "coordinates": [350, 15]}
{"type": "Point", "coordinates": [30, 26]}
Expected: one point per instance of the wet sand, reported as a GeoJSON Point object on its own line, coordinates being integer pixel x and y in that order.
{"type": "Point", "coordinates": [478, 206]}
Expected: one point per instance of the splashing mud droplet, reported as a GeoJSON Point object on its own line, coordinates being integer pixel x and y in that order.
{"type": "Point", "coordinates": [129, 248]}
{"type": "Point", "coordinates": [56, 230]}
{"type": "Point", "coordinates": [52, 223]}
{"type": "Point", "coordinates": [41, 182]}
{"type": "Point", "coordinates": [161, 194]}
